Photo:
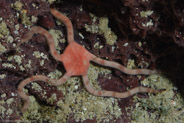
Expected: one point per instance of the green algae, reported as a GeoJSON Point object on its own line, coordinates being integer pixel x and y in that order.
{"type": "Point", "coordinates": [4, 36]}
{"type": "Point", "coordinates": [18, 5]}
{"type": "Point", "coordinates": [32, 113]}
{"type": "Point", "coordinates": [4, 31]}
{"type": "Point", "coordinates": [2, 49]}
{"type": "Point", "coordinates": [22, 13]}
{"type": "Point", "coordinates": [6, 108]}
{"type": "Point", "coordinates": [2, 76]}
{"type": "Point", "coordinates": [57, 35]}
{"type": "Point", "coordinates": [55, 74]}
{"type": "Point", "coordinates": [131, 64]}
{"type": "Point", "coordinates": [51, 1]}
{"type": "Point", "coordinates": [41, 56]}
{"type": "Point", "coordinates": [102, 28]}
{"type": "Point", "coordinates": [77, 101]}
{"type": "Point", "coordinates": [163, 107]}
{"type": "Point", "coordinates": [24, 18]}
{"type": "Point", "coordinates": [146, 13]}
{"type": "Point", "coordinates": [98, 46]}
{"type": "Point", "coordinates": [106, 31]}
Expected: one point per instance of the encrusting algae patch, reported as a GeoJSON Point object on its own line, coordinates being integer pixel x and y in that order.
{"type": "Point", "coordinates": [58, 38]}
{"type": "Point", "coordinates": [77, 102]}
{"type": "Point", "coordinates": [4, 35]}
{"type": "Point", "coordinates": [164, 107]}
{"type": "Point", "coordinates": [102, 28]}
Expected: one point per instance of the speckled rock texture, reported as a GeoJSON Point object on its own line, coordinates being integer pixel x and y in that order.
{"type": "Point", "coordinates": [138, 34]}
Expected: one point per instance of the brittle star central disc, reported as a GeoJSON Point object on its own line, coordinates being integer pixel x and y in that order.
{"type": "Point", "coordinates": [76, 59]}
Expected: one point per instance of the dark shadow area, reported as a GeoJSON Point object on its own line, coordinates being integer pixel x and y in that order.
{"type": "Point", "coordinates": [171, 63]}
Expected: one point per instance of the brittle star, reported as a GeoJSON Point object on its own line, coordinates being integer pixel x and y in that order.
{"type": "Point", "coordinates": [76, 60]}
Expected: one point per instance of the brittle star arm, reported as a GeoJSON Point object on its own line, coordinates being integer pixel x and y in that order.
{"type": "Point", "coordinates": [66, 21]}
{"type": "Point", "coordinates": [50, 39]}
{"type": "Point", "coordinates": [116, 94]}
{"type": "Point", "coordinates": [38, 78]}
{"type": "Point", "coordinates": [122, 68]}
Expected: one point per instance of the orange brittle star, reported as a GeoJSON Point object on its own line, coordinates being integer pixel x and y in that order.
{"type": "Point", "coordinates": [76, 60]}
